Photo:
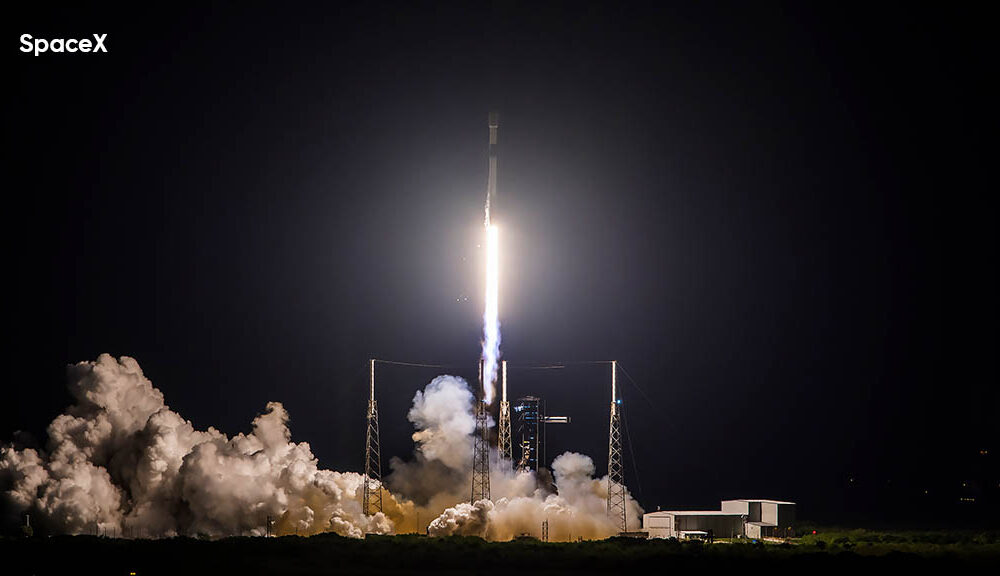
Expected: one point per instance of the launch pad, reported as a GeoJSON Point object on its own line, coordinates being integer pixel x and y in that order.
{"type": "Point", "coordinates": [530, 410]}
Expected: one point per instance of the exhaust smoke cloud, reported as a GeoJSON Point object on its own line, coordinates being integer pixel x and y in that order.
{"type": "Point", "coordinates": [120, 458]}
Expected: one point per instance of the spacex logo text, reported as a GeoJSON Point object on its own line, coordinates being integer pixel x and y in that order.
{"type": "Point", "coordinates": [39, 45]}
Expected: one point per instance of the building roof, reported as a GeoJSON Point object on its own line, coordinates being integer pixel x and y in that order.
{"type": "Point", "coordinates": [692, 513]}
{"type": "Point", "coordinates": [759, 500]}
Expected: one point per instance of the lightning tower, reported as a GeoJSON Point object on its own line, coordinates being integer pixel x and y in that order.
{"type": "Point", "coordinates": [504, 443]}
{"type": "Point", "coordinates": [616, 476]}
{"type": "Point", "coordinates": [372, 501]}
{"type": "Point", "coordinates": [481, 448]}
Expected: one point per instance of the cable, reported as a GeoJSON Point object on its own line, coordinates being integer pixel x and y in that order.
{"type": "Point", "coordinates": [555, 365]}
{"type": "Point", "coordinates": [417, 364]}
{"type": "Point", "coordinates": [637, 387]}
{"type": "Point", "coordinates": [635, 466]}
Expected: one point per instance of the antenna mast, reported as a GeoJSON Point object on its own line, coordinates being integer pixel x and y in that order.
{"type": "Point", "coordinates": [616, 477]}
{"type": "Point", "coordinates": [372, 502]}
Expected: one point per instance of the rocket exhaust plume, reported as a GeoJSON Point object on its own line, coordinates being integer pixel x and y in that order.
{"type": "Point", "coordinates": [491, 321]}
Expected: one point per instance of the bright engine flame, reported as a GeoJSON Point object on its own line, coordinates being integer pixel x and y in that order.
{"type": "Point", "coordinates": [491, 322]}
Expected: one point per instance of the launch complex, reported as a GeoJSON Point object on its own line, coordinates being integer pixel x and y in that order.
{"type": "Point", "coordinates": [530, 410]}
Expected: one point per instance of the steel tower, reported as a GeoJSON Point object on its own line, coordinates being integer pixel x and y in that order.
{"type": "Point", "coordinates": [481, 438]}
{"type": "Point", "coordinates": [504, 443]}
{"type": "Point", "coordinates": [616, 477]}
{"type": "Point", "coordinates": [530, 428]}
{"type": "Point", "coordinates": [481, 447]}
{"type": "Point", "coordinates": [372, 502]}
{"type": "Point", "coordinates": [530, 413]}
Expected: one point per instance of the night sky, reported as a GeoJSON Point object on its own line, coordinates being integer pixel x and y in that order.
{"type": "Point", "coordinates": [775, 216]}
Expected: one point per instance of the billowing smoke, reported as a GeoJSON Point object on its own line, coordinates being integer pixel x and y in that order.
{"type": "Point", "coordinates": [444, 424]}
{"type": "Point", "coordinates": [119, 458]}
{"type": "Point", "coordinates": [577, 509]}
{"type": "Point", "coordinates": [440, 479]}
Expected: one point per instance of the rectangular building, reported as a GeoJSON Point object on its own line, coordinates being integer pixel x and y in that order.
{"type": "Point", "coordinates": [736, 519]}
{"type": "Point", "coordinates": [681, 524]}
{"type": "Point", "coordinates": [765, 518]}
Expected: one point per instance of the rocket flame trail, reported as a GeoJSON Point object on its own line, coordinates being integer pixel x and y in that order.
{"type": "Point", "coordinates": [491, 322]}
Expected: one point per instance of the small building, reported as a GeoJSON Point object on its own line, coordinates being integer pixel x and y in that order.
{"type": "Point", "coordinates": [736, 519]}
{"type": "Point", "coordinates": [687, 523]}
{"type": "Point", "coordinates": [764, 518]}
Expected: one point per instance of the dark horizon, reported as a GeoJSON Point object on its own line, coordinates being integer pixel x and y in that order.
{"type": "Point", "coordinates": [774, 216]}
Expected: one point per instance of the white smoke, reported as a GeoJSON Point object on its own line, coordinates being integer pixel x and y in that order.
{"type": "Point", "coordinates": [464, 518]}
{"type": "Point", "coordinates": [119, 457]}
{"type": "Point", "coordinates": [443, 421]}
{"type": "Point", "coordinates": [578, 508]}
{"type": "Point", "coordinates": [439, 480]}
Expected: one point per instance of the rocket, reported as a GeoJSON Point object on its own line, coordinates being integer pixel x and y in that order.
{"type": "Point", "coordinates": [491, 186]}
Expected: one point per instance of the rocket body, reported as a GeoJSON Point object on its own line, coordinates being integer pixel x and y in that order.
{"type": "Point", "coordinates": [491, 186]}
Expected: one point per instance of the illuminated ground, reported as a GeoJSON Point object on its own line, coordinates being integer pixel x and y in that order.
{"type": "Point", "coordinates": [328, 554]}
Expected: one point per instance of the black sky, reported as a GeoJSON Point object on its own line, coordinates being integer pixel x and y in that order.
{"type": "Point", "coordinates": [775, 216]}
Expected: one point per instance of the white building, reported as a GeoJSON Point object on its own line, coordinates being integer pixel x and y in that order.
{"type": "Point", "coordinates": [736, 519]}
{"type": "Point", "coordinates": [683, 524]}
{"type": "Point", "coordinates": [764, 518]}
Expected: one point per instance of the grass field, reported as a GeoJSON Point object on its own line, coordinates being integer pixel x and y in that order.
{"type": "Point", "coordinates": [830, 550]}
